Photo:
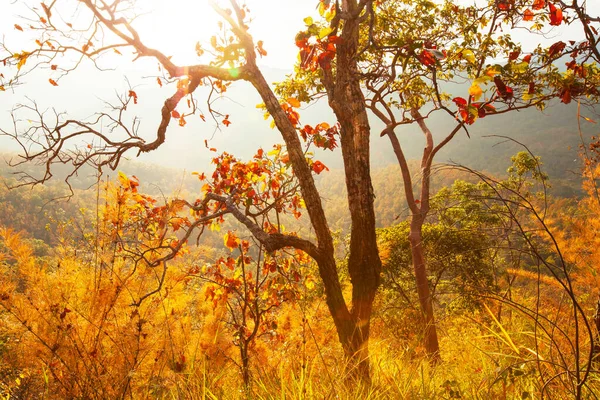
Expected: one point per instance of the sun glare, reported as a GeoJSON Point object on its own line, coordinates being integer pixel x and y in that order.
{"type": "Point", "coordinates": [175, 26]}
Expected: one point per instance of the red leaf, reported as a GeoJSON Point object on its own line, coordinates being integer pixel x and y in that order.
{"type": "Point", "coordinates": [556, 48]}
{"type": "Point", "coordinates": [318, 167]}
{"type": "Point", "coordinates": [527, 58]}
{"type": "Point", "coordinates": [528, 15]}
{"type": "Point", "coordinates": [460, 102]}
{"type": "Point", "coordinates": [565, 95]}
{"type": "Point", "coordinates": [555, 15]}
{"type": "Point", "coordinates": [531, 89]}
{"type": "Point", "coordinates": [426, 58]}
{"type": "Point", "coordinates": [513, 55]}
{"type": "Point", "coordinates": [539, 4]}
{"type": "Point", "coordinates": [505, 92]}
{"type": "Point", "coordinates": [504, 5]}
{"type": "Point", "coordinates": [335, 39]}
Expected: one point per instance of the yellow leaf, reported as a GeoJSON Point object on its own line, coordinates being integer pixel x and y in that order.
{"type": "Point", "coordinates": [22, 59]}
{"type": "Point", "coordinates": [123, 179]}
{"type": "Point", "coordinates": [469, 56]}
{"type": "Point", "coordinates": [214, 226]}
{"type": "Point", "coordinates": [475, 91]}
{"type": "Point", "coordinates": [324, 32]}
{"type": "Point", "coordinates": [527, 96]}
{"type": "Point", "coordinates": [322, 8]}
{"type": "Point", "coordinates": [520, 68]}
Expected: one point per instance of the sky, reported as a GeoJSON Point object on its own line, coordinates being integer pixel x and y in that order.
{"type": "Point", "coordinates": [174, 27]}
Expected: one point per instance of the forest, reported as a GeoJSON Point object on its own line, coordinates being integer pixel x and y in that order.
{"type": "Point", "coordinates": [410, 211]}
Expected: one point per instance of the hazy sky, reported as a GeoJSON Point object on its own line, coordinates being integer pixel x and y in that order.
{"type": "Point", "coordinates": [174, 27]}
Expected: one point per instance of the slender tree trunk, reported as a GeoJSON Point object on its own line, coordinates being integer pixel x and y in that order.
{"type": "Point", "coordinates": [418, 256]}
{"type": "Point", "coordinates": [245, 365]}
{"type": "Point", "coordinates": [419, 211]}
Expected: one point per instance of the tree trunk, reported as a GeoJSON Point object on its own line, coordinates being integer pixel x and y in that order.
{"type": "Point", "coordinates": [364, 265]}
{"type": "Point", "coordinates": [245, 365]}
{"type": "Point", "coordinates": [418, 256]}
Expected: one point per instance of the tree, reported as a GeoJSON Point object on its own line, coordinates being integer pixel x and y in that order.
{"type": "Point", "coordinates": [389, 57]}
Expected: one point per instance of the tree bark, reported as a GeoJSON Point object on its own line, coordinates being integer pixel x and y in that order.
{"type": "Point", "coordinates": [430, 338]}
{"type": "Point", "coordinates": [419, 210]}
{"type": "Point", "coordinates": [364, 265]}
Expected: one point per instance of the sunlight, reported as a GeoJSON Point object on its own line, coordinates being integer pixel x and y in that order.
{"type": "Point", "coordinates": [191, 22]}
{"type": "Point", "coordinates": [175, 27]}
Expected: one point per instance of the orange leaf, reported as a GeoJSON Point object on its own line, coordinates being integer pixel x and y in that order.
{"type": "Point", "coordinates": [18, 27]}
{"type": "Point", "coordinates": [117, 51]}
{"type": "Point", "coordinates": [259, 47]}
{"type": "Point", "coordinates": [231, 241]}
{"type": "Point", "coordinates": [293, 102]}
{"type": "Point", "coordinates": [528, 15]}
{"type": "Point", "coordinates": [69, 25]}
{"type": "Point", "coordinates": [175, 114]}
{"type": "Point", "coordinates": [182, 121]}
{"type": "Point", "coordinates": [53, 67]}
{"type": "Point", "coordinates": [539, 4]}
{"type": "Point", "coordinates": [159, 81]}
{"type": "Point", "coordinates": [52, 82]}
{"type": "Point", "coordinates": [43, 20]}
{"type": "Point", "coordinates": [226, 121]}
{"type": "Point", "coordinates": [134, 95]}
